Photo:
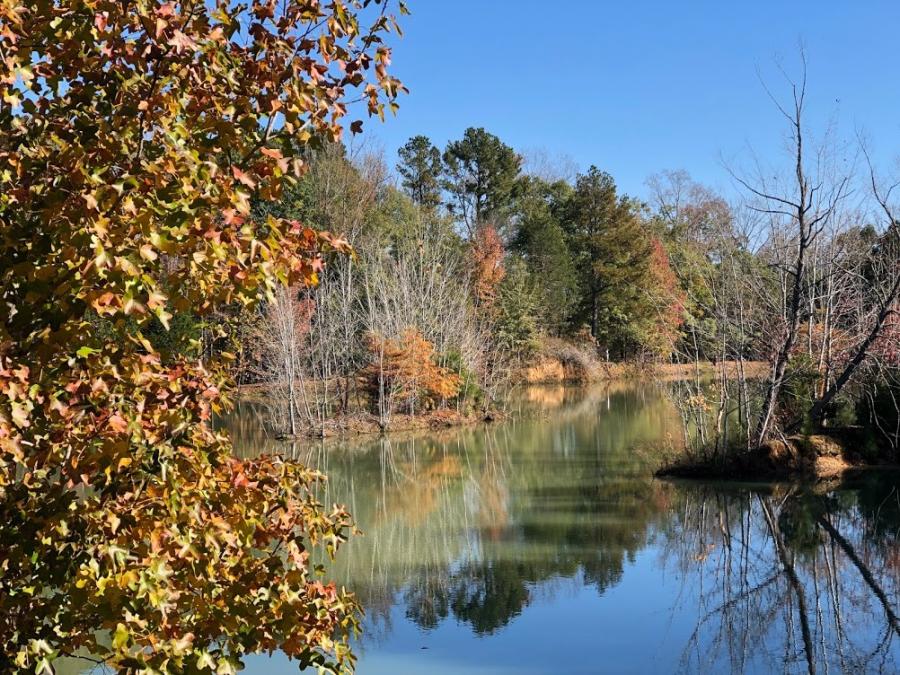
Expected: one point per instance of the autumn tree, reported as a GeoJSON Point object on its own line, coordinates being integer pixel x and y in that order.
{"type": "Point", "coordinates": [698, 230]}
{"type": "Point", "coordinates": [659, 333]}
{"type": "Point", "coordinates": [486, 254]}
{"type": "Point", "coordinates": [403, 374]}
{"type": "Point", "coordinates": [133, 139]}
{"type": "Point", "coordinates": [421, 169]}
{"type": "Point", "coordinates": [481, 177]}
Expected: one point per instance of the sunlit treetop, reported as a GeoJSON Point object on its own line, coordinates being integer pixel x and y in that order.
{"type": "Point", "coordinates": [144, 129]}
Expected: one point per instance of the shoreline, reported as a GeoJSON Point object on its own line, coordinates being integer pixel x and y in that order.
{"type": "Point", "coordinates": [561, 370]}
{"type": "Point", "coordinates": [548, 370]}
{"type": "Point", "coordinates": [367, 424]}
{"type": "Point", "coordinates": [826, 455]}
{"type": "Point", "coordinates": [358, 424]}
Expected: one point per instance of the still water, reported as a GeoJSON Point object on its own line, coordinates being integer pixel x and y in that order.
{"type": "Point", "coordinates": [544, 545]}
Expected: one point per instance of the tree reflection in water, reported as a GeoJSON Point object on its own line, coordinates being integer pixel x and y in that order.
{"type": "Point", "coordinates": [479, 525]}
{"type": "Point", "coordinates": [791, 579]}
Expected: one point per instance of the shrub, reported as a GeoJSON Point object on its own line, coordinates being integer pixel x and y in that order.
{"type": "Point", "coordinates": [403, 374]}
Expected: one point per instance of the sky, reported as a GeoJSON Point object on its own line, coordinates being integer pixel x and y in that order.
{"type": "Point", "coordinates": [635, 87]}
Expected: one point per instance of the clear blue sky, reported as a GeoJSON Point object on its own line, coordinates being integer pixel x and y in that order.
{"type": "Point", "coordinates": [635, 87]}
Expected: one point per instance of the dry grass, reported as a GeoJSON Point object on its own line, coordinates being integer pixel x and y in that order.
{"type": "Point", "coordinates": [561, 361]}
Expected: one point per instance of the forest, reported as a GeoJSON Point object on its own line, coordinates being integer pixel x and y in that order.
{"type": "Point", "coordinates": [466, 267]}
{"type": "Point", "coordinates": [473, 263]}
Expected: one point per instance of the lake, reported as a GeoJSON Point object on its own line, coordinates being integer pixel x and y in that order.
{"type": "Point", "coordinates": [543, 544]}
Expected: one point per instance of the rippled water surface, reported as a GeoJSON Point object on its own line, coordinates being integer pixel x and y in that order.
{"type": "Point", "coordinates": [544, 545]}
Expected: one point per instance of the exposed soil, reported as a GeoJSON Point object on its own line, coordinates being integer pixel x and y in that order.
{"type": "Point", "coordinates": [822, 456]}
{"type": "Point", "coordinates": [553, 369]}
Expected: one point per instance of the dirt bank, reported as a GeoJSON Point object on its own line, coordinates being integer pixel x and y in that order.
{"type": "Point", "coordinates": [357, 424]}
{"type": "Point", "coordinates": [557, 369]}
{"type": "Point", "coordinates": [822, 456]}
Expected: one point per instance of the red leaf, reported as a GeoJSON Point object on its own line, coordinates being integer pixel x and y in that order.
{"type": "Point", "coordinates": [243, 177]}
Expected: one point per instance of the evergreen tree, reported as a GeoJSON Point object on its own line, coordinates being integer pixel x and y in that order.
{"type": "Point", "coordinates": [540, 240]}
{"type": "Point", "coordinates": [515, 327]}
{"type": "Point", "coordinates": [421, 169]}
{"type": "Point", "coordinates": [481, 176]}
{"type": "Point", "coordinates": [612, 256]}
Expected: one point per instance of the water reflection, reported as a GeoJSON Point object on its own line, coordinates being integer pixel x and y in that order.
{"type": "Point", "coordinates": [803, 580]}
{"type": "Point", "coordinates": [544, 545]}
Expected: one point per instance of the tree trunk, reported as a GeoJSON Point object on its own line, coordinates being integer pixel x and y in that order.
{"type": "Point", "coordinates": [784, 354]}
{"type": "Point", "coordinates": [817, 412]}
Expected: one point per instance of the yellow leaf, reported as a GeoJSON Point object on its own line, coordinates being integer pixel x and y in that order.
{"type": "Point", "coordinates": [121, 636]}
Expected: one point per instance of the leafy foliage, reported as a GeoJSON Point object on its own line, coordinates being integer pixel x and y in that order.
{"type": "Point", "coordinates": [406, 368]}
{"type": "Point", "coordinates": [133, 139]}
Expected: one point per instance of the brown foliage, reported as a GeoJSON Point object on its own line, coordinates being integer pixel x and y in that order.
{"type": "Point", "coordinates": [487, 264]}
{"type": "Point", "coordinates": [404, 372]}
{"type": "Point", "coordinates": [669, 299]}
{"type": "Point", "coordinates": [133, 138]}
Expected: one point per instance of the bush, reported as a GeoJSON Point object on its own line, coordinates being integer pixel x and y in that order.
{"type": "Point", "coordinates": [470, 392]}
{"type": "Point", "coordinates": [403, 374]}
{"type": "Point", "coordinates": [799, 391]}
{"type": "Point", "coordinates": [579, 361]}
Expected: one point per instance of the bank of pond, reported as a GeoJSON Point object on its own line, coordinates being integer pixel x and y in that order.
{"type": "Point", "coordinates": [544, 543]}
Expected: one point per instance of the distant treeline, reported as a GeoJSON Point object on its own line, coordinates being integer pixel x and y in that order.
{"type": "Point", "coordinates": [471, 261]}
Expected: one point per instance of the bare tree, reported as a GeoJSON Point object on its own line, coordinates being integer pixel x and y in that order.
{"type": "Point", "coordinates": [795, 215]}
{"type": "Point", "coordinates": [882, 291]}
{"type": "Point", "coordinates": [420, 284]}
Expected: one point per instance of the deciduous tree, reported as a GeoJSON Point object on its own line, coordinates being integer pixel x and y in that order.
{"type": "Point", "coordinates": [486, 253]}
{"type": "Point", "coordinates": [133, 138]}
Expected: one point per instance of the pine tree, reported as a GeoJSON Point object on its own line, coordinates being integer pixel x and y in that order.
{"type": "Point", "coordinates": [421, 169]}
{"type": "Point", "coordinates": [481, 176]}
{"type": "Point", "coordinates": [541, 242]}
{"type": "Point", "coordinates": [612, 255]}
{"type": "Point", "coordinates": [515, 326]}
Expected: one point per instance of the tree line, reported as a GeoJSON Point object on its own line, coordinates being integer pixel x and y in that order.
{"type": "Point", "coordinates": [466, 266]}
{"type": "Point", "coordinates": [591, 260]}
{"type": "Point", "coordinates": [472, 261]}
